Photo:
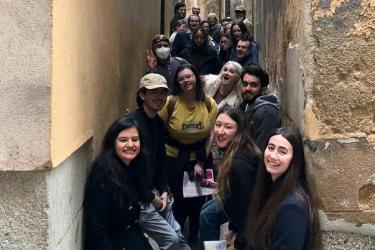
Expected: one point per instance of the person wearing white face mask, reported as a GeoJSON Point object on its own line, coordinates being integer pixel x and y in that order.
{"type": "Point", "coordinates": [160, 61]}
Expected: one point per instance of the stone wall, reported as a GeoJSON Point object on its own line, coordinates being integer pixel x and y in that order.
{"type": "Point", "coordinates": [319, 56]}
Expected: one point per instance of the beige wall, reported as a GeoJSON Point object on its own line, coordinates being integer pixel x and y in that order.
{"type": "Point", "coordinates": [25, 85]}
{"type": "Point", "coordinates": [98, 57]}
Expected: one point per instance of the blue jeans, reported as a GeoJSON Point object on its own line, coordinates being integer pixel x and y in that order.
{"type": "Point", "coordinates": [211, 217]}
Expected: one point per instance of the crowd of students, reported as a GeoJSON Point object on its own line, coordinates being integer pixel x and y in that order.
{"type": "Point", "coordinates": [202, 104]}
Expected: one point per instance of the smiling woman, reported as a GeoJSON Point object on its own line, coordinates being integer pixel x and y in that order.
{"type": "Point", "coordinates": [189, 116]}
{"type": "Point", "coordinates": [114, 189]}
{"type": "Point", "coordinates": [236, 179]}
{"type": "Point", "coordinates": [282, 183]}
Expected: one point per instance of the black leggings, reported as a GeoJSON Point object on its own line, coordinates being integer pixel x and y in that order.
{"type": "Point", "coordinates": [183, 207]}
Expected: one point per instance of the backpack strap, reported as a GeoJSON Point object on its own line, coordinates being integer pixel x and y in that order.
{"type": "Point", "coordinates": [207, 102]}
{"type": "Point", "coordinates": [171, 104]}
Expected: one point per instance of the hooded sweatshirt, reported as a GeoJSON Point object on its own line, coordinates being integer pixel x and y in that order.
{"type": "Point", "coordinates": [263, 117]}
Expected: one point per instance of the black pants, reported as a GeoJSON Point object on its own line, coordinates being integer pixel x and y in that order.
{"type": "Point", "coordinates": [183, 207]}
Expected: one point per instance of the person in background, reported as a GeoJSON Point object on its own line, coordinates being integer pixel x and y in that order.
{"type": "Point", "coordinates": [201, 54]}
{"type": "Point", "coordinates": [160, 61]}
{"type": "Point", "coordinates": [115, 187]}
{"type": "Point", "coordinates": [183, 38]}
{"type": "Point", "coordinates": [195, 10]}
{"type": "Point", "coordinates": [283, 212]}
{"type": "Point", "coordinates": [225, 48]}
{"type": "Point", "coordinates": [180, 26]}
{"type": "Point", "coordinates": [225, 88]}
{"type": "Point", "coordinates": [239, 31]}
{"type": "Point", "coordinates": [205, 25]}
{"type": "Point", "coordinates": [218, 33]}
{"type": "Point", "coordinates": [261, 109]}
{"type": "Point", "coordinates": [235, 181]}
{"type": "Point", "coordinates": [240, 15]}
{"type": "Point", "coordinates": [189, 116]}
{"type": "Point", "coordinates": [156, 216]}
{"type": "Point", "coordinates": [243, 52]}
{"type": "Point", "coordinates": [179, 14]}
{"type": "Point", "coordinates": [213, 21]}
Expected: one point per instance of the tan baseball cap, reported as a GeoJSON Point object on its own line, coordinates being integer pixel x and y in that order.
{"type": "Point", "coordinates": [153, 81]}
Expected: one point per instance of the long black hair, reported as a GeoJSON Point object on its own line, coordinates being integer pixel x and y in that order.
{"type": "Point", "coordinates": [109, 171]}
{"type": "Point", "coordinates": [268, 196]}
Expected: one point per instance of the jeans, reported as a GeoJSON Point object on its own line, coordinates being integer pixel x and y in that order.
{"type": "Point", "coordinates": [211, 217]}
{"type": "Point", "coordinates": [162, 227]}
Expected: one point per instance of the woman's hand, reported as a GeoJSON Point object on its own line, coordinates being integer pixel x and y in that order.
{"type": "Point", "coordinates": [198, 171]}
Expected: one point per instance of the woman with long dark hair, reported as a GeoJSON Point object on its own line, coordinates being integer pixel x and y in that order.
{"type": "Point", "coordinates": [189, 116]}
{"type": "Point", "coordinates": [235, 181]}
{"type": "Point", "coordinates": [283, 212]}
{"type": "Point", "coordinates": [114, 189]}
{"type": "Point", "coordinates": [201, 54]}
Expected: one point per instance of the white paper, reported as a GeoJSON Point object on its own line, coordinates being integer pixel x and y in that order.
{"type": "Point", "coordinates": [194, 189]}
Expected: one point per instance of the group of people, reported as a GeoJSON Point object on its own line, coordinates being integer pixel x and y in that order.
{"type": "Point", "coordinates": [196, 113]}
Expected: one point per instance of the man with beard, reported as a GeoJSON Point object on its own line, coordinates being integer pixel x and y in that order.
{"type": "Point", "coordinates": [156, 217]}
{"type": "Point", "coordinates": [262, 110]}
{"type": "Point", "coordinates": [240, 15]}
{"type": "Point", "coordinates": [159, 59]}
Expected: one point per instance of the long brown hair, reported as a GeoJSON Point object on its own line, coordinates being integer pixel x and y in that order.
{"type": "Point", "coordinates": [240, 143]}
{"type": "Point", "coordinates": [268, 196]}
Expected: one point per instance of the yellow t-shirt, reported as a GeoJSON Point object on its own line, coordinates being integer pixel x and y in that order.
{"type": "Point", "coordinates": [188, 125]}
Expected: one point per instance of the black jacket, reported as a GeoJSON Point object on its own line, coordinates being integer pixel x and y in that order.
{"type": "Point", "coordinates": [154, 135]}
{"type": "Point", "coordinates": [205, 60]}
{"type": "Point", "coordinates": [263, 117]}
{"type": "Point", "coordinates": [109, 225]}
{"type": "Point", "coordinates": [242, 176]}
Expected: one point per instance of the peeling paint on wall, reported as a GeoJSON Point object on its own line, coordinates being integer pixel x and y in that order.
{"type": "Point", "coordinates": [319, 13]}
{"type": "Point", "coordinates": [366, 26]}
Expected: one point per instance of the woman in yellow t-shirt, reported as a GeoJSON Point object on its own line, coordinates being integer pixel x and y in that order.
{"type": "Point", "coordinates": [189, 116]}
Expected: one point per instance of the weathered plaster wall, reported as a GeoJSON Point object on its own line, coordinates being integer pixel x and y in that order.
{"type": "Point", "coordinates": [319, 55]}
{"type": "Point", "coordinates": [25, 84]}
{"type": "Point", "coordinates": [23, 210]}
{"type": "Point", "coordinates": [97, 50]}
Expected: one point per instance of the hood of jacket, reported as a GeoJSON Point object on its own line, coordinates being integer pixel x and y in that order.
{"type": "Point", "coordinates": [266, 99]}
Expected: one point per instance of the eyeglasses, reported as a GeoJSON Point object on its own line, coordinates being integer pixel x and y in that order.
{"type": "Point", "coordinates": [251, 84]}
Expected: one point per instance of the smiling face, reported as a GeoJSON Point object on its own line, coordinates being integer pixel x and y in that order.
{"type": "Point", "coordinates": [236, 31]}
{"type": "Point", "coordinates": [277, 156]}
{"type": "Point", "coordinates": [224, 131]}
{"type": "Point", "coordinates": [229, 75]}
{"type": "Point", "coordinates": [181, 11]}
{"type": "Point", "coordinates": [251, 88]}
{"type": "Point", "coordinates": [154, 99]}
{"type": "Point", "coordinates": [186, 79]}
{"type": "Point", "coordinates": [243, 49]}
{"type": "Point", "coordinates": [127, 145]}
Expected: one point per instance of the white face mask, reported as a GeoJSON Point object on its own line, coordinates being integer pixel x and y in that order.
{"type": "Point", "coordinates": [163, 52]}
